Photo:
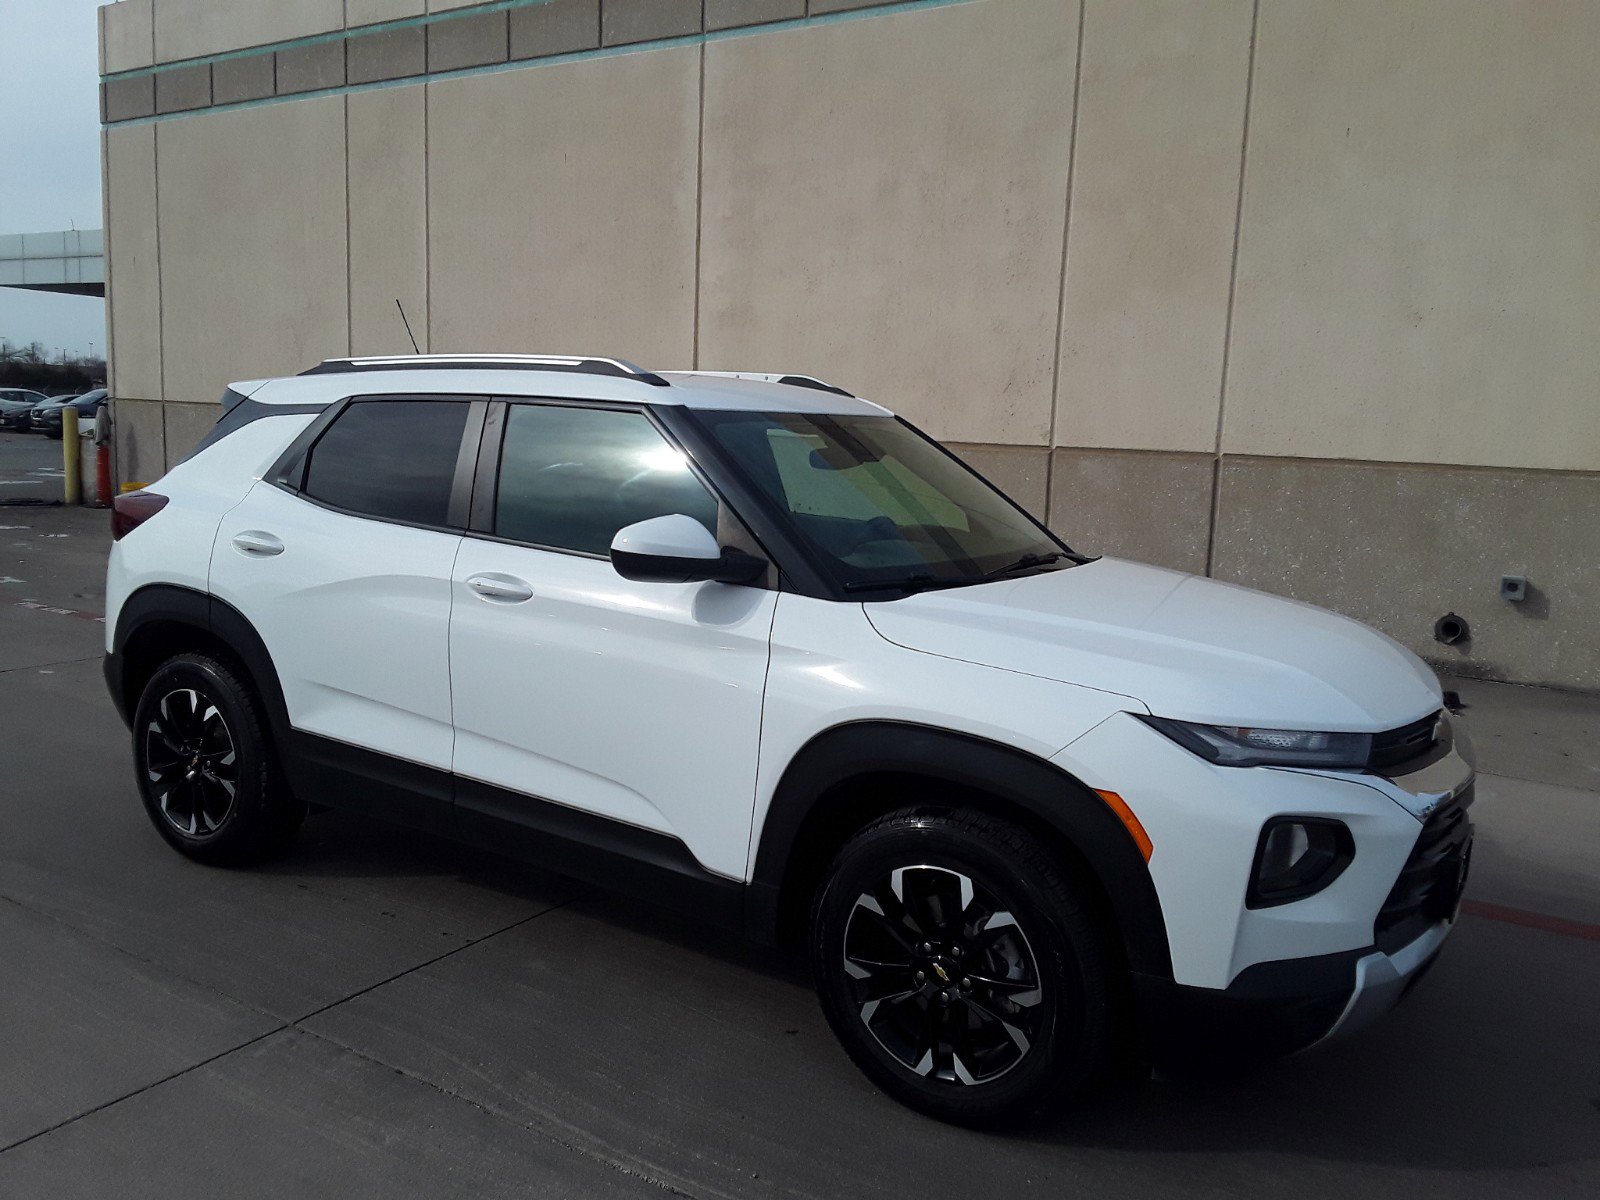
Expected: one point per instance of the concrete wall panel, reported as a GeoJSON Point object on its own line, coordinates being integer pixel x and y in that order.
{"type": "Point", "coordinates": [562, 208]}
{"type": "Point", "coordinates": [388, 220]}
{"type": "Point", "coordinates": [1021, 472]}
{"type": "Point", "coordinates": [125, 99]}
{"type": "Point", "coordinates": [141, 446]}
{"type": "Point", "coordinates": [253, 255]}
{"type": "Point", "coordinates": [1152, 508]}
{"type": "Point", "coordinates": [1399, 546]}
{"type": "Point", "coordinates": [186, 425]}
{"type": "Point", "coordinates": [1419, 257]}
{"type": "Point", "coordinates": [134, 293]}
{"type": "Point", "coordinates": [368, 12]}
{"type": "Point", "coordinates": [1154, 192]}
{"type": "Point", "coordinates": [722, 14]}
{"type": "Point", "coordinates": [190, 28]}
{"type": "Point", "coordinates": [559, 27]}
{"type": "Point", "coordinates": [883, 207]}
{"type": "Point", "coordinates": [184, 88]}
{"type": "Point", "coordinates": [311, 67]}
{"type": "Point", "coordinates": [127, 37]}
{"type": "Point", "coordinates": [234, 80]}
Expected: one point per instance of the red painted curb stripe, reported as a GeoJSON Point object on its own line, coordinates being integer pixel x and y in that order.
{"type": "Point", "coordinates": [1532, 920]}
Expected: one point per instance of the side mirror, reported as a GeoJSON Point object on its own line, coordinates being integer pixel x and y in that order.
{"type": "Point", "coordinates": [678, 549]}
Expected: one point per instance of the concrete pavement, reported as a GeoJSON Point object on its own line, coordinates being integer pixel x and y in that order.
{"type": "Point", "coordinates": [379, 1014]}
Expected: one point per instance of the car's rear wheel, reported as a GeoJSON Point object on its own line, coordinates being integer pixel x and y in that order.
{"type": "Point", "coordinates": [205, 765]}
{"type": "Point", "coordinates": [959, 967]}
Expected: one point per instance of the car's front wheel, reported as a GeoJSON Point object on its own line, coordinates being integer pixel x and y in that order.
{"type": "Point", "coordinates": [205, 766]}
{"type": "Point", "coordinates": [960, 968]}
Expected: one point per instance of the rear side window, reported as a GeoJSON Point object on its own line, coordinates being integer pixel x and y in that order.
{"type": "Point", "coordinates": [571, 477]}
{"type": "Point", "coordinates": [390, 459]}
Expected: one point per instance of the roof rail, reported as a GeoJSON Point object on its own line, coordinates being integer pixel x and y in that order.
{"type": "Point", "coordinates": [805, 381]}
{"type": "Point", "coordinates": [580, 363]}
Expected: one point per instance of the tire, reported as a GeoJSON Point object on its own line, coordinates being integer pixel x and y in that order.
{"type": "Point", "coordinates": [933, 893]}
{"type": "Point", "coordinates": [205, 765]}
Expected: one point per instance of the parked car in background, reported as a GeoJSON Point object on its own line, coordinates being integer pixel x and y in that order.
{"type": "Point", "coordinates": [47, 418]}
{"type": "Point", "coordinates": [16, 404]}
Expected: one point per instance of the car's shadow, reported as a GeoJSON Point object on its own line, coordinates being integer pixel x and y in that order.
{"type": "Point", "coordinates": [1493, 1064]}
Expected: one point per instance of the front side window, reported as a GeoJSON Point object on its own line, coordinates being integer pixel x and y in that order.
{"type": "Point", "coordinates": [390, 459]}
{"type": "Point", "coordinates": [571, 477]}
{"type": "Point", "coordinates": [878, 505]}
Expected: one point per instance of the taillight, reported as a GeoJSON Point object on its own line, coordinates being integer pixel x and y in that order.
{"type": "Point", "coordinates": [132, 510]}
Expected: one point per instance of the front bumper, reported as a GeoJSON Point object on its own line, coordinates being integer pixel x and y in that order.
{"type": "Point", "coordinates": [1383, 980]}
{"type": "Point", "coordinates": [1277, 979]}
{"type": "Point", "coordinates": [1278, 1008]}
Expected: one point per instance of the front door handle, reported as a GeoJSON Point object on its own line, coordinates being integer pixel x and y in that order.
{"type": "Point", "coordinates": [257, 544]}
{"type": "Point", "coordinates": [503, 589]}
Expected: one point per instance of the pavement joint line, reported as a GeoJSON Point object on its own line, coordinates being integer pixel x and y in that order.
{"type": "Point", "coordinates": [101, 940]}
{"type": "Point", "coordinates": [282, 1025]}
{"type": "Point", "coordinates": [316, 1012]}
{"type": "Point", "coordinates": [510, 1118]}
{"type": "Point", "coordinates": [139, 1091]}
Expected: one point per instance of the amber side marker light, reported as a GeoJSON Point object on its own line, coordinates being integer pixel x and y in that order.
{"type": "Point", "coordinates": [1125, 814]}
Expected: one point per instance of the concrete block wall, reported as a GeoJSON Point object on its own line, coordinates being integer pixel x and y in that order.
{"type": "Point", "coordinates": [1302, 296]}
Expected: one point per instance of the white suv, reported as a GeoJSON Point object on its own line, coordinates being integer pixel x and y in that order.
{"type": "Point", "coordinates": [753, 647]}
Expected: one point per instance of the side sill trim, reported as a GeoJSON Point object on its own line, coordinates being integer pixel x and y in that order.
{"type": "Point", "coordinates": [592, 849]}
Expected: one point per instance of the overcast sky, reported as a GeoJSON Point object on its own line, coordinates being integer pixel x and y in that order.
{"type": "Point", "coordinates": [50, 155]}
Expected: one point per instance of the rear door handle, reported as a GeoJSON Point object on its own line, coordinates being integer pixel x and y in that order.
{"type": "Point", "coordinates": [257, 544]}
{"type": "Point", "coordinates": [503, 589]}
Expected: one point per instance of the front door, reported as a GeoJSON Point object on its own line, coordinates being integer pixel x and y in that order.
{"type": "Point", "coordinates": [637, 702]}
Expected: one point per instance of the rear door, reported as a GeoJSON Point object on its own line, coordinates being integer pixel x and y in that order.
{"type": "Point", "coordinates": [637, 702]}
{"type": "Point", "coordinates": [344, 569]}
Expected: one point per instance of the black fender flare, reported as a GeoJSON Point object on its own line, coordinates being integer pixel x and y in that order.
{"type": "Point", "coordinates": [171, 604]}
{"type": "Point", "coordinates": [1043, 792]}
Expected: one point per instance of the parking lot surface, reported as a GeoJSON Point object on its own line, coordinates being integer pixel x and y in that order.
{"type": "Point", "coordinates": [379, 1014]}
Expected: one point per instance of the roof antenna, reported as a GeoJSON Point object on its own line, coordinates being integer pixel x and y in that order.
{"type": "Point", "coordinates": [414, 347]}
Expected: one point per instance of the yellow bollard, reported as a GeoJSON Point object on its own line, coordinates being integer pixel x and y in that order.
{"type": "Point", "coordinates": [72, 455]}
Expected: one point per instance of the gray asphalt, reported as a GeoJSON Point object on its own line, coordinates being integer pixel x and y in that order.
{"type": "Point", "coordinates": [379, 1014]}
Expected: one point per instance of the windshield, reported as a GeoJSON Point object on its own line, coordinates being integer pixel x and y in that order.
{"type": "Point", "coordinates": [876, 504]}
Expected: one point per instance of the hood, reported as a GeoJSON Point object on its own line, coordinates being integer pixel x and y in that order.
{"type": "Point", "coordinates": [1185, 647]}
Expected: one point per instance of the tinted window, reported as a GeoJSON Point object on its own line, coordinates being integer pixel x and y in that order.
{"type": "Point", "coordinates": [394, 459]}
{"type": "Point", "coordinates": [571, 477]}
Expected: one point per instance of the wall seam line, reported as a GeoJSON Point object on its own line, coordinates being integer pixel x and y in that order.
{"type": "Point", "coordinates": [699, 203]}
{"type": "Point", "coordinates": [106, 252]}
{"type": "Point", "coordinates": [161, 287]}
{"type": "Point", "coordinates": [349, 245]}
{"type": "Point", "coordinates": [427, 219]}
{"type": "Point", "coordinates": [1061, 294]}
{"type": "Point", "coordinates": [1233, 284]}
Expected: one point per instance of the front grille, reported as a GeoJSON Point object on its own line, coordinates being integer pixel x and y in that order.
{"type": "Point", "coordinates": [1430, 883]}
{"type": "Point", "coordinates": [1398, 747]}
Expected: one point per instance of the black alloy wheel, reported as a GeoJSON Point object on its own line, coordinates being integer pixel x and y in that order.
{"type": "Point", "coordinates": [205, 765]}
{"type": "Point", "coordinates": [960, 968]}
{"type": "Point", "coordinates": [945, 977]}
{"type": "Point", "coordinates": [191, 762]}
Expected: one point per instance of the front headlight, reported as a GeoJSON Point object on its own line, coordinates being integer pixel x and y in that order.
{"type": "Point", "coordinates": [1248, 746]}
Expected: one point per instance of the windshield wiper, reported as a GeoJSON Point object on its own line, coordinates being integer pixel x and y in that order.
{"type": "Point", "coordinates": [1022, 564]}
{"type": "Point", "coordinates": [906, 583]}
{"type": "Point", "coordinates": [922, 580]}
